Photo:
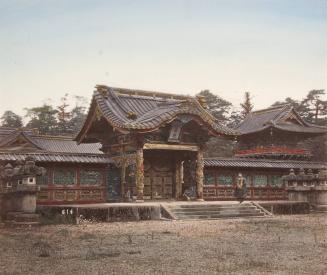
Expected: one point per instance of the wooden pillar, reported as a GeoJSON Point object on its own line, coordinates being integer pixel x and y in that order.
{"type": "Point", "coordinates": [139, 175]}
{"type": "Point", "coordinates": [199, 175]}
{"type": "Point", "coordinates": [123, 180]}
{"type": "Point", "coordinates": [179, 178]}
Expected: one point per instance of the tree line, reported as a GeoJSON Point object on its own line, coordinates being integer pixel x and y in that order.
{"type": "Point", "coordinates": [312, 108]}
{"type": "Point", "coordinates": [49, 119]}
{"type": "Point", "coordinates": [67, 120]}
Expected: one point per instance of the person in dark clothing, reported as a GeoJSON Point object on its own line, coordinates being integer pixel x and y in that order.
{"type": "Point", "coordinates": [240, 189]}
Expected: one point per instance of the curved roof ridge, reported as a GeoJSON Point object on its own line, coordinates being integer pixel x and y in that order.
{"type": "Point", "coordinates": [147, 93]}
{"type": "Point", "coordinates": [272, 108]}
{"type": "Point", "coordinates": [126, 110]}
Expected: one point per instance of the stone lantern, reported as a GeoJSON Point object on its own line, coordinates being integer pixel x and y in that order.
{"type": "Point", "coordinates": [19, 191]}
{"type": "Point", "coordinates": [308, 188]}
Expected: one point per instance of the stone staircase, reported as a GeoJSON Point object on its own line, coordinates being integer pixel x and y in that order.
{"type": "Point", "coordinates": [207, 211]}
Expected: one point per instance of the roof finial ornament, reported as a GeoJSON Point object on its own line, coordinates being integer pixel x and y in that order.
{"type": "Point", "coordinates": [201, 99]}
{"type": "Point", "coordinates": [102, 89]}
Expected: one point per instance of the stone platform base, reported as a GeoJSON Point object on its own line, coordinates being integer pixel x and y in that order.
{"type": "Point", "coordinates": [22, 219]}
{"type": "Point", "coordinates": [320, 208]}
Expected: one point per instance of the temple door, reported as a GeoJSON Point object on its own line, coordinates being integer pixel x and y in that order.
{"type": "Point", "coordinates": [158, 179]}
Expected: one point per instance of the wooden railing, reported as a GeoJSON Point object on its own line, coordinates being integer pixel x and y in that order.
{"type": "Point", "coordinates": [53, 195]}
{"type": "Point", "coordinates": [273, 150]}
{"type": "Point", "coordinates": [216, 192]}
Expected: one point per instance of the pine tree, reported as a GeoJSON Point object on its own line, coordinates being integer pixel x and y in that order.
{"type": "Point", "coordinates": [247, 106]}
{"type": "Point", "coordinates": [64, 116]}
{"type": "Point", "coordinates": [316, 106]}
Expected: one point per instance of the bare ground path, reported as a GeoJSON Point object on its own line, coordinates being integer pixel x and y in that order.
{"type": "Point", "coordinates": [280, 245]}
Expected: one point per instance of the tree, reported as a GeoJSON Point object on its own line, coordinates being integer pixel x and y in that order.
{"type": "Point", "coordinates": [287, 100]}
{"type": "Point", "coordinates": [221, 109]}
{"type": "Point", "coordinates": [64, 116]}
{"type": "Point", "coordinates": [10, 119]}
{"type": "Point", "coordinates": [235, 119]}
{"type": "Point", "coordinates": [218, 107]}
{"type": "Point", "coordinates": [247, 106]}
{"type": "Point", "coordinates": [316, 107]}
{"type": "Point", "coordinates": [43, 118]}
{"type": "Point", "coordinates": [78, 114]}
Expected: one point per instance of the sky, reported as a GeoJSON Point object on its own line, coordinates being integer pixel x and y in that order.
{"type": "Point", "coordinates": [271, 48]}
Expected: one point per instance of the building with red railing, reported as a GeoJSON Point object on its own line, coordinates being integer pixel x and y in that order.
{"type": "Point", "coordinates": [270, 142]}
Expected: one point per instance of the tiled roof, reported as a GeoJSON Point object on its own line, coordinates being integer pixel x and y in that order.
{"type": "Point", "coordinates": [66, 145]}
{"type": "Point", "coordinates": [48, 148]}
{"type": "Point", "coordinates": [262, 163]}
{"type": "Point", "coordinates": [277, 117]}
{"type": "Point", "coordinates": [143, 110]}
{"type": "Point", "coordinates": [52, 157]}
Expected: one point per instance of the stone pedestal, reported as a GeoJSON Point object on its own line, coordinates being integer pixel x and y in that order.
{"type": "Point", "coordinates": [308, 188]}
{"type": "Point", "coordinates": [20, 205]}
{"type": "Point", "coordinates": [299, 193]}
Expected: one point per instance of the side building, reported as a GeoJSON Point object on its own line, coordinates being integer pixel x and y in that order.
{"type": "Point", "coordinates": [270, 143]}
{"type": "Point", "coordinates": [75, 173]}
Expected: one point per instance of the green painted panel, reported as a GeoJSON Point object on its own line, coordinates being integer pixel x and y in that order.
{"type": "Point", "coordinates": [90, 177]}
{"type": "Point", "coordinates": [209, 177]}
{"type": "Point", "coordinates": [64, 176]}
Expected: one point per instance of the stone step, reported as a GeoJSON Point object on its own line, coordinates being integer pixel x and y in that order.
{"type": "Point", "coordinates": [218, 212]}
{"type": "Point", "coordinates": [213, 208]}
{"type": "Point", "coordinates": [215, 211]}
{"type": "Point", "coordinates": [220, 216]}
{"type": "Point", "coordinates": [213, 205]}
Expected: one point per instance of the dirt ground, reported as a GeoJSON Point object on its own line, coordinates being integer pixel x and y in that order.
{"type": "Point", "coordinates": [279, 245]}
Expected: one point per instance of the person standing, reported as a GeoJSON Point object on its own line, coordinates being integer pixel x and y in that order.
{"type": "Point", "coordinates": [240, 188]}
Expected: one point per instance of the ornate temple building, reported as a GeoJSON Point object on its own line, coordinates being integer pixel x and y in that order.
{"type": "Point", "coordinates": [276, 133]}
{"type": "Point", "coordinates": [138, 145]}
{"type": "Point", "coordinates": [270, 143]}
{"type": "Point", "coordinates": [155, 140]}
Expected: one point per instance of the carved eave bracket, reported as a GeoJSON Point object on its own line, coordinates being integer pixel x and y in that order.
{"type": "Point", "coordinates": [124, 160]}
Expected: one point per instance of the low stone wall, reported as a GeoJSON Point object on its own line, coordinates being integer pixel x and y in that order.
{"type": "Point", "coordinates": [286, 208]}
{"type": "Point", "coordinates": [74, 215]}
